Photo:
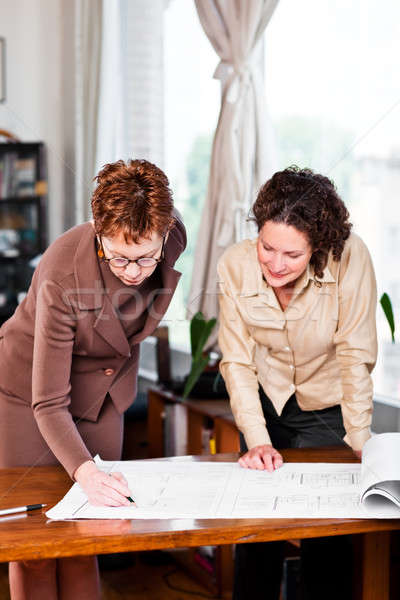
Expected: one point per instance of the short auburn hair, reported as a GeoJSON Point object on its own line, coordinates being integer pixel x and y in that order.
{"type": "Point", "coordinates": [134, 198]}
{"type": "Point", "coordinates": [309, 202]}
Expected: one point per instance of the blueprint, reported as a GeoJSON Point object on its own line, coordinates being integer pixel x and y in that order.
{"type": "Point", "coordinates": [208, 490]}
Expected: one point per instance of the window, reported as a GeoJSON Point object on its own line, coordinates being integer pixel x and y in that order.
{"type": "Point", "coordinates": [192, 102]}
{"type": "Point", "coordinates": [333, 89]}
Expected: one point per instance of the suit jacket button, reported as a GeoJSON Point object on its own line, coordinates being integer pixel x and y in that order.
{"type": "Point", "coordinates": [108, 372]}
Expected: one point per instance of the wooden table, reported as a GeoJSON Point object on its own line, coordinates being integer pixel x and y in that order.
{"type": "Point", "coordinates": [33, 536]}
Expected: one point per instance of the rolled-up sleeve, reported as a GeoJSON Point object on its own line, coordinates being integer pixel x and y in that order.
{"type": "Point", "coordinates": [51, 375]}
{"type": "Point", "coordinates": [356, 342]}
{"type": "Point", "coordinates": [238, 368]}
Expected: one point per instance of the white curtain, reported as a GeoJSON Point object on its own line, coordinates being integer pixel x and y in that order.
{"type": "Point", "coordinates": [242, 154]}
{"type": "Point", "coordinates": [110, 125]}
{"type": "Point", "coordinates": [119, 88]}
{"type": "Point", "coordinates": [131, 113]}
{"type": "Point", "coordinates": [88, 28]}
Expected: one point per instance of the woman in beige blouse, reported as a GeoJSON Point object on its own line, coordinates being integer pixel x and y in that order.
{"type": "Point", "coordinates": [298, 339]}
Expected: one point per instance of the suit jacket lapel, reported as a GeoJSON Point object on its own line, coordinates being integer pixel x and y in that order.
{"type": "Point", "coordinates": [88, 281]}
{"type": "Point", "coordinates": [170, 278]}
{"type": "Point", "coordinates": [90, 295]}
{"type": "Point", "coordinates": [109, 327]}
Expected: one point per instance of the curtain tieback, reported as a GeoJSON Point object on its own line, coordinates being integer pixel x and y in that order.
{"type": "Point", "coordinates": [232, 77]}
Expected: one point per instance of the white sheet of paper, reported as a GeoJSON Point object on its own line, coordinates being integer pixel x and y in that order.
{"type": "Point", "coordinates": [208, 490]}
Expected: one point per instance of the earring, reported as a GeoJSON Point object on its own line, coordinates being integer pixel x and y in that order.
{"type": "Point", "coordinates": [100, 252]}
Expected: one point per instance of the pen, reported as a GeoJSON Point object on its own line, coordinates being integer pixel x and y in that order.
{"type": "Point", "coordinates": [17, 509]}
{"type": "Point", "coordinates": [127, 497]}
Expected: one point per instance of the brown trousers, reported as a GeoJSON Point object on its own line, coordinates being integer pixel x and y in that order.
{"type": "Point", "coordinates": [21, 444]}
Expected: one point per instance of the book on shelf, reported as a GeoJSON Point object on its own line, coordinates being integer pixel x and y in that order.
{"type": "Point", "coordinates": [17, 175]}
{"type": "Point", "coordinates": [25, 176]}
{"type": "Point", "coordinates": [7, 169]}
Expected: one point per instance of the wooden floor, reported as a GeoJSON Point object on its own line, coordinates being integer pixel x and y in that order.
{"type": "Point", "coordinates": [151, 576]}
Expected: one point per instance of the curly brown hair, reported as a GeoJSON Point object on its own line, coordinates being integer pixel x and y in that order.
{"type": "Point", "coordinates": [133, 198]}
{"type": "Point", "coordinates": [310, 203]}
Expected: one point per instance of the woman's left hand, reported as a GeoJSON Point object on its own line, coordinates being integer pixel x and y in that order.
{"type": "Point", "coordinates": [358, 453]}
{"type": "Point", "coordinates": [262, 457]}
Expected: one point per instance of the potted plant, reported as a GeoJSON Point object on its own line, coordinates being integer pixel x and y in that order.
{"type": "Point", "coordinates": [202, 380]}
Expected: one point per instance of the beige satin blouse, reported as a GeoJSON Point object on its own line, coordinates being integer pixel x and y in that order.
{"type": "Point", "coordinates": [322, 347]}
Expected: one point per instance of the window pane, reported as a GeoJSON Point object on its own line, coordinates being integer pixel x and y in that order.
{"type": "Point", "coordinates": [333, 88]}
{"type": "Point", "coordinates": [192, 99]}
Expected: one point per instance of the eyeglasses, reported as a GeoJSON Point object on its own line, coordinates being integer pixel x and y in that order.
{"type": "Point", "coordinates": [121, 262]}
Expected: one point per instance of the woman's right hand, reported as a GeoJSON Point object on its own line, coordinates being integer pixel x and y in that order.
{"type": "Point", "coordinates": [262, 457]}
{"type": "Point", "coordinates": [100, 488]}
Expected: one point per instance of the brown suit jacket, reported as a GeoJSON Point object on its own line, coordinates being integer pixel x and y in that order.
{"type": "Point", "coordinates": [65, 349]}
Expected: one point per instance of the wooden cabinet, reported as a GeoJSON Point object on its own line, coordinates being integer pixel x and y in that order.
{"type": "Point", "coordinates": [213, 416]}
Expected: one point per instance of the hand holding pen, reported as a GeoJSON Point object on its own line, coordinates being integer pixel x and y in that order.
{"type": "Point", "coordinates": [103, 489]}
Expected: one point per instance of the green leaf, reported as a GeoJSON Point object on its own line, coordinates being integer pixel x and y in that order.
{"type": "Point", "coordinates": [388, 310]}
{"type": "Point", "coordinates": [207, 328]}
{"type": "Point", "coordinates": [195, 372]}
{"type": "Point", "coordinates": [197, 325]}
{"type": "Point", "coordinates": [200, 331]}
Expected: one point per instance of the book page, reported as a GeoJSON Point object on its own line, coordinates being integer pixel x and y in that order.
{"type": "Point", "coordinates": [208, 490]}
{"type": "Point", "coordinates": [380, 459]}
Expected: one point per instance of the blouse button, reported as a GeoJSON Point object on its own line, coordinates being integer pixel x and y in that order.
{"type": "Point", "coordinates": [108, 372]}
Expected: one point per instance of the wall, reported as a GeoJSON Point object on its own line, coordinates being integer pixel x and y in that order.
{"type": "Point", "coordinates": [40, 91]}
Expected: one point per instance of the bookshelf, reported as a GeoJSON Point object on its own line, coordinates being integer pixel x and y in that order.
{"type": "Point", "coordinates": [23, 228]}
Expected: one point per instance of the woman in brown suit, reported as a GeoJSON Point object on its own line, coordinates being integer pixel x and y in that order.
{"type": "Point", "coordinates": [69, 355]}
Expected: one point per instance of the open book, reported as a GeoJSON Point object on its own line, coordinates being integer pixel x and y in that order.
{"type": "Point", "coordinates": [183, 488]}
{"type": "Point", "coordinates": [380, 472]}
